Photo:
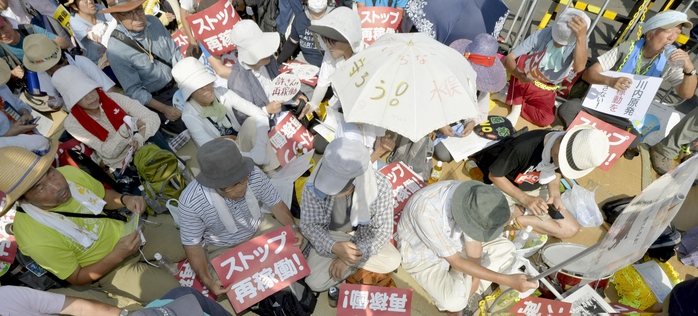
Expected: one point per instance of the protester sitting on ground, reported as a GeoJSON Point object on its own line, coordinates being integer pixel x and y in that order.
{"type": "Point", "coordinates": [451, 244]}
{"type": "Point", "coordinates": [398, 4]}
{"type": "Point", "coordinates": [562, 50]}
{"type": "Point", "coordinates": [221, 209]}
{"type": "Point", "coordinates": [644, 57]}
{"type": "Point", "coordinates": [311, 51]}
{"type": "Point", "coordinates": [44, 55]}
{"type": "Point", "coordinates": [213, 112]}
{"type": "Point", "coordinates": [347, 216]}
{"type": "Point", "coordinates": [141, 53]}
{"type": "Point", "coordinates": [17, 120]}
{"type": "Point", "coordinates": [79, 247]}
{"type": "Point", "coordinates": [491, 77]}
{"type": "Point", "coordinates": [17, 300]}
{"type": "Point", "coordinates": [520, 165]}
{"type": "Point", "coordinates": [88, 26]}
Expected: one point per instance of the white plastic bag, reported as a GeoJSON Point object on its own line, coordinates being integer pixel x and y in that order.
{"type": "Point", "coordinates": [581, 203]}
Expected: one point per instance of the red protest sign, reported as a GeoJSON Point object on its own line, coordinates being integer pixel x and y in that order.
{"type": "Point", "coordinates": [358, 299]}
{"type": "Point", "coordinates": [260, 267]}
{"type": "Point", "coordinates": [187, 277]}
{"type": "Point", "coordinates": [405, 183]}
{"type": "Point", "coordinates": [307, 73]}
{"type": "Point", "coordinates": [618, 139]}
{"type": "Point", "coordinates": [212, 27]}
{"type": "Point", "coordinates": [376, 21]}
{"type": "Point", "coordinates": [624, 309]}
{"type": "Point", "coordinates": [540, 306]}
{"type": "Point", "coordinates": [8, 249]}
{"type": "Point", "coordinates": [181, 41]}
{"type": "Point", "coordinates": [286, 136]}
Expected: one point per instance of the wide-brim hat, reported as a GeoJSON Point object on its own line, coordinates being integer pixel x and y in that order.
{"type": "Point", "coordinates": [480, 210]}
{"type": "Point", "coordinates": [221, 164]}
{"type": "Point", "coordinates": [186, 305]}
{"type": "Point", "coordinates": [489, 78]}
{"type": "Point", "coordinates": [561, 32]}
{"type": "Point", "coordinates": [120, 6]}
{"type": "Point", "coordinates": [191, 75]}
{"type": "Point", "coordinates": [666, 20]}
{"type": "Point", "coordinates": [40, 52]}
{"type": "Point", "coordinates": [5, 72]}
{"type": "Point", "coordinates": [582, 149]}
{"type": "Point", "coordinates": [252, 44]}
{"type": "Point", "coordinates": [72, 84]}
{"type": "Point", "coordinates": [341, 24]}
{"type": "Point", "coordinates": [20, 170]}
{"type": "Point", "coordinates": [344, 159]}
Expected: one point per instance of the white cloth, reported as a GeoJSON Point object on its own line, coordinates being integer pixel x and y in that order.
{"type": "Point", "coordinates": [546, 167]}
{"type": "Point", "coordinates": [17, 13]}
{"type": "Point", "coordinates": [365, 192]}
{"type": "Point", "coordinates": [89, 201]}
{"type": "Point", "coordinates": [264, 79]}
{"type": "Point", "coordinates": [87, 67]}
{"type": "Point", "coordinates": [34, 143]}
{"type": "Point", "coordinates": [224, 213]}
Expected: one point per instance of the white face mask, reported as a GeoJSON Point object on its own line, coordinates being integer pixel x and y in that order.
{"type": "Point", "coordinates": [317, 6]}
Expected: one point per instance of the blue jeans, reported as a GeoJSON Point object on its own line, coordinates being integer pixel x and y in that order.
{"type": "Point", "coordinates": [208, 305]}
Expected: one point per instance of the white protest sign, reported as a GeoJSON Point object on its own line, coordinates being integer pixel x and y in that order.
{"type": "Point", "coordinates": [631, 103]}
{"type": "Point", "coordinates": [284, 87]}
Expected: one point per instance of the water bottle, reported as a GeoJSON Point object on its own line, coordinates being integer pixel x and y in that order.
{"type": "Point", "coordinates": [668, 50]}
{"type": "Point", "coordinates": [436, 172]}
{"type": "Point", "coordinates": [33, 85]}
{"type": "Point", "coordinates": [165, 264]}
{"type": "Point", "coordinates": [522, 237]}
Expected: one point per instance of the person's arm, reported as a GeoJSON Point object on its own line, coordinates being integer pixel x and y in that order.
{"type": "Point", "coordinates": [198, 262]}
{"type": "Point", "coordinates": [476, 271]}
{"type": "Point", "coordinates": [315, 221]}
{"type": "Point", "coordinates": [554, 192]}
{"type": "Point", "coordinates": [288, 50]}
{"type": "Point", "coordinates": [535, 204]}
{"type": "Point", "coordinates": [126, 246]}
{"type": "Point", "coordinates": [473, 250]}
{"type": "Point", "coordinates": [133, 203]}
{"type": "Point", "coordinates": [370, 239]}
{"type": "Point", "coordinates": [221, 69]}
{"type": "Point", "coordinates": [82, 307]}
{"type": "Point", "coordinates": [110, 148]}
{"type": "Point", "coordinates": [62, 42]}
{"type": "Point", "coordinates": [136, 110]}
{"type": "Point", "coordinates": [593, 76]}
{"type": "Point", "coordinates": [186, 27]}
{"type": "Point", "coordinates": [283, 215]}
{"type": "Point", "coordinates": [687, 88]}
{"type": "Point", "coordinates": [579, 28]}
{"type": "Point", "coordinates": [197, 129]}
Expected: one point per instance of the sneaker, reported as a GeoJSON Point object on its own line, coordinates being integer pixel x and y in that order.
{"type": "Point", "coordinates": [660, 163]}
{"type": "Point", "coordinates": [333, 296]}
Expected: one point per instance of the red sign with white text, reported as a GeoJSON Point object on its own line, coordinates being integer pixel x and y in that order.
{"type": "Point", "coordinates": [624, 309]}
{"type": "Point", "coordinates": [187, 277]}
{"type": "Point", "coordinates": [358, 299]}
{"type": "Point", "coordinates": [405, 183]}
{"type": "Point", "coordinates": [618, 139]}
{"type": "Point", "coordinates": [287, 135]}
{"type": "Point", "coordinates": [540, 306]}
{"type": "Point", "coordinates": [376, 21]}
{"type": "Point", "coordinates": [260, 267]}
{"type": "Point", "coordinates": [182, 41]}
{"type": "Point", "coordinates": [212, 27]}
{"type": "Point", "coordinates": [8, 249]}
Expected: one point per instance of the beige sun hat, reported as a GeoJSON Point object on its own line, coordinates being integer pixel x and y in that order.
{"type": "Point", "coordinates": [191, 75]}
{"type": "Point", "coordinates": [5, 72]}
{"type": "Point", "coordinates": [40, 52]}
{"type": "Point", "coordinates": [20, 170]}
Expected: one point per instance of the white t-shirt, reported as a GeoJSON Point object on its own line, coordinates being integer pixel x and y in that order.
{"type": "Point", "coordinates": [87, 66]}
{"type": "Point", "coordinates": [23, 301]}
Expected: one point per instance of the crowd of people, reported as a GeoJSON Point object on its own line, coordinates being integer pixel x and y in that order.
{"type": "Point", "coordinates": [118, 74]}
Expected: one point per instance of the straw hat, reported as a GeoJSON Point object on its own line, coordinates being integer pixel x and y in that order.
{"type": "Point", "coordinates": [253, 45]}
{"type": "Point", "coordinates": [40, 52]}
{"type": "Point", "coordinates": [72, 84]}
{"type": "Point", "coordinates": [20, 170]}
{"type": "Point", "coordinates": [4, 72]}
{"type": "Point", "coordinates": [120, 6]}
{"type": "Point", "coordinates": [582, 149]}
{"type": "Point", "coordinates": [482, 55]}
{"type": "Point", "coordinates": [191, 75]}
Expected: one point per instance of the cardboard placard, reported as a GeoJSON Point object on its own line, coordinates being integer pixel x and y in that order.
{"type": "Point", "coordinates": [260, 267]}
{"type": "Point", "coordinates": [631, 103]}
{"type": "Point", "coordinates": [405, 183]}
{"type": "Point", "coordinates": [181, 41]}
{"type": "Point", "coordinates": [618, 139]}
{"type": "Point", "coordinates": [376, 21]}
{"type": "Point", "coordinates": [287, 135]}
{"type": "Point", "coordinates": [212, 27]}
{"type": "Point", "coordinates": [357, 299]}
{"type": "Point", "coordinates": [187, 277]}
{"type": "Point", "coordinates": [284, 87]}
{"type": "Point", "coordinates": [540, 306]}
{"type": "Point", "coordinates": [307, 73]}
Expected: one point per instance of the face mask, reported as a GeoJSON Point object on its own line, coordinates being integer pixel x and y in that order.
{"type": "Point", "coordinates": [317, 6]}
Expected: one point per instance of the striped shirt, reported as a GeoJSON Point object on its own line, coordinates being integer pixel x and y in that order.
{"type": "Point", "coordinates": [316, 215]}
{"type": "Point", "coordinates": [199, 219]}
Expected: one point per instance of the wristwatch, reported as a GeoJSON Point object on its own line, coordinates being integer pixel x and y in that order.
{"type": "Point", "coordinates": [691, 73]}
{"type": "Point", "coordinates": [124, 312]}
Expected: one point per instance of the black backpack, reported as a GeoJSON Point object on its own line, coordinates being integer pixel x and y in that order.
{"type": "Point", "coordinates": [296, 299]}
{"type": "Point", "coordinates": [612, 209]}
{"type": "Point", "coordinates": [24, 271]}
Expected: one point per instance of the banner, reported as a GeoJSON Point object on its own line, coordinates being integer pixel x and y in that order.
{"type": "Point", "coordinates": [618, 139]}
{"type": "Point", "coordinates": [187, 277]}
{"type": "Point", "coordinates": [357, 299]}
{"type": "Point", "coordinates": [287, 135]}
{"type": "Point", "coordinates": [212, 27]}
{"type": "Point", "coordinates": [376, 21]}
{"type": "Point", "coordinates": [631, 103]}
{"type": "Point", "coordinates": [405, 183]}
{"type": "Point", "coordinates": [657, 123]}
{"type": "Point", "coordinates": [260, 267]}
{"type": "Point", "coordinates": [181, 41]}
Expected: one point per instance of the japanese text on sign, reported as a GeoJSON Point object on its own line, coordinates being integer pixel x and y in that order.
{"type": "Point", "coordinates": [376, 21]}
{"type": "Point", "coordinates": [286, 136]}
{"type": "Point", "coordinates": [630, 104]}
{"type": "Point", "coordinates": [62, 15]}
{"type": "Point", "coordinates": [356, 299]}
{"type": "Point", "coordinates": [212, 27]}
{"type": "Point", "coordinates": [285, 87]}
{"type": "Point", "coordinates": [260, 267]}
{"type": "Point", "coordinates": [540, 306]}
{"type": "Point", "coordinates": [187, 277]}
{"type": "Point", "coordinates": [618, 139]}
{"type": "Point", "coordinates": [181, 41]}
{"type": "Point", "coordinates": [405, 183]}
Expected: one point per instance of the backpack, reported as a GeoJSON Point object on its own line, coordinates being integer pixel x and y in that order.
{"type": "Point", "coordinates": [296, 299]}
{"type": "Point", "coordinates": [161, 176]}
{"type": "Point", "coordinates": [24, 271]}
{"type": "Point", "coordinates": [612, 209]}
{"type": "Point", "coordinates": [664, 247]}
{"type": "Point", "coordinates": [413, 154]}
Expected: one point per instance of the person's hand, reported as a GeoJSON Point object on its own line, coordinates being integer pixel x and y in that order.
{"type": "Point", "coordinates": [302, 97]}
{"type": "Point", "coordinates": [299, 237]}
{"type": "Point", "coordinates": [578, 26]}
{"type": "Point", "coordinates": [347, 251]}
{"type": "Point", "coordinates": [306, 110]}
{"type": "Point", "coordinates": [447, 131]}
{"type": "Point", "coordinates": [134, 144]}
{"type": "Point", "coordinates": [139, 124]}
{"type": "Point", "coordinates": [170, 17]}
{"type": "Point", "coordinates": [19, 128]}
{"type": "Point", "coordinates": [386, 143]}
{"type": "Point", "coordinates": [535, 204]}
{"type": "Point", "coordinates": [520, 282]}
{"type": "Point", "coordinates": [474, 285]}
{"type": "Point", "coordinates": [620, 83]}
{"type": "Point", "coordinates": [215, 286]}
{"type": "Point", "coordinates": [523, 78]}
{"type": "Point", "coordinates": [17, 72]}
{"type": "Point", "coordinates": [26, 117]}
{"type": "Point", "coordinates": [273, 107]}
{"type": "Point", "coordinates": [127, 245]}
{"type": "Point", "coordinates": [172, 113]}
{"type": "Point", "coordinates": [682, 55]}
{"type": "Point", "coordinates": [557, 202]}
{"type": "Point", "coordinates": [468, 128]}
{"type": "Point", "coordinates": [338, 268]}
{"type": "Point", "coordinates": [135, 204]}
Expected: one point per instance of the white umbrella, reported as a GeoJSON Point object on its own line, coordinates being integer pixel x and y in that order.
{"type": "Point", "coordinates": [407, 83]}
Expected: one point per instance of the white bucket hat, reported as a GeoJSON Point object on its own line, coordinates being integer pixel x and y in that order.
{"type": "Point", "coordinates": [253, 45]}
{"type": "Point", "coordinates": [341, 24]}
{"type": "Point", "coordinates": [72, 84]}
{"type": "Point", "coordinates": [191, 75]}
{"type": "Point", "coordinates": [582, 149]}
{"type": "Point", "coordinates": [562, 33]}
{"type": "Point", "coordinates": [666, 20]}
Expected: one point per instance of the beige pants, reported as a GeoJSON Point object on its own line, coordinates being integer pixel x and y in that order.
{"type": "Point", "coordinates": [385, 261]}
{"type": "Point", "coordinates": [246, 140]}
{"type": "Point", "coordinates": [450, 289]}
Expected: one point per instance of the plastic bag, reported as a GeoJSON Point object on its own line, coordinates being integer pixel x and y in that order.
{"type": "Point", "coordinates": [581, 203]}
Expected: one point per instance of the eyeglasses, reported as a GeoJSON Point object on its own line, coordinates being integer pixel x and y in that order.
{"type": "Point", "coordinates": [235, 186]}
{"type": "Point", "coordinates": [136, 13]}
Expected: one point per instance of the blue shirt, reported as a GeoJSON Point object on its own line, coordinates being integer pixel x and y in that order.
{"type": "Point", "coordinates": [93, 50]}
{"type": "Point", "coordinates": [11, 99]}
{"type": "Point", "coordinates": [384, 3]}
{"type": "Point", "coordinates": [17, 50]}
{"type": "Point", "coordinates": [300, 33]}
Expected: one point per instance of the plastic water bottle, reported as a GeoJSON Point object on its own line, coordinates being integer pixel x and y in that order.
{"type": "Point", "coordinates": [522, 237]}
{"type": "Point", "coordinates": [473, 170]}
{"type": "Point", "coordinates": [436, 172]}
{"type": "Point", "coordinates": [165, 264]}
{"type": "Point", "coordinates": [668, 50]}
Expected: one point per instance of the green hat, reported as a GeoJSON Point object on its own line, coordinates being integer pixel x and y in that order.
{"type": "Point", "coordinates": [480, 210]}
